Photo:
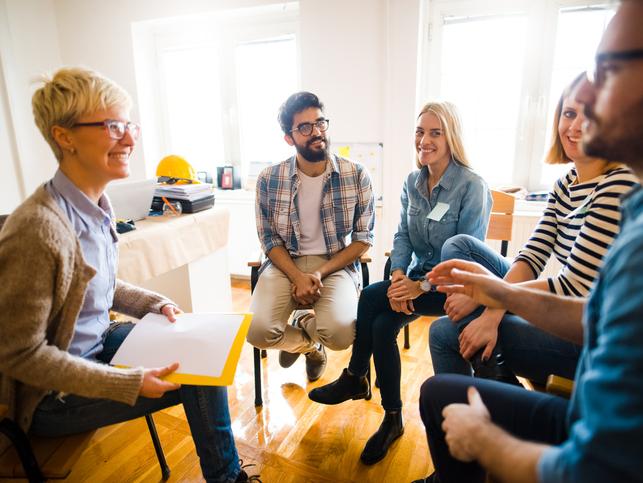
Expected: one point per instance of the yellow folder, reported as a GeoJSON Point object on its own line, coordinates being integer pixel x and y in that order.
{"type": "Point", "coordinates": [129, 356]}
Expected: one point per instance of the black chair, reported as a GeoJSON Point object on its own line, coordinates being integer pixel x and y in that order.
{"type": "Point", "coordinates": [56, 456]}
{"type": "Point", "coordinates": [261, 354]}
{"type": "Point", "coordinates": [387, 275]}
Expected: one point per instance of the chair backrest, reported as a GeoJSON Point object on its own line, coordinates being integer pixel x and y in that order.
{"type": "Point", "coordinates": [501, 220]}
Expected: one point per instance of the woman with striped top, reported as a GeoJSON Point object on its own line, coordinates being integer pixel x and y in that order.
{"type": "Point", "coordinates": [578, 225]}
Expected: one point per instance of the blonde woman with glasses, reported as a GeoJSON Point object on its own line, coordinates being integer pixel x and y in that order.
{"type": "Point", "coordinates": [58, 257]}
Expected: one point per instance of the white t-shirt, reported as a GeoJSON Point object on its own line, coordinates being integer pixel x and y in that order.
{"type": "Point", "coordinates": [309, 200]}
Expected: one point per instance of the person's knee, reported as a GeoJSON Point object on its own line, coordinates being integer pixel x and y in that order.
{"type": "Point", "coordinates": [339, 338]}
{"type": "Point", "coordinates": [439, 391]}
{"type": "Point", "coordinates": [262, 336]}
{"type": "Point", "coordinates": [442, 333]}
{"type": "Point", "coordinates": [458, 246]}
{"type": "Point", "coordinates": [373, 294]}
{"type": "Point", "coordinates": [427, 389]}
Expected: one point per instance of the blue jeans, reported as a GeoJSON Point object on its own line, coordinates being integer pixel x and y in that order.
{"type": "Point", "coordinates": [377, 328]}
{"type": "Point", "coordinates": [206, 409]}
{"type": "Point", "coordinates": [528, 351]}
{"type": "Point", "coordinates": [529, 415]}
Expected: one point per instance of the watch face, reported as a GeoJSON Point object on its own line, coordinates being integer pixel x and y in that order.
{"type": "Point", "coordinates": [425, 285]}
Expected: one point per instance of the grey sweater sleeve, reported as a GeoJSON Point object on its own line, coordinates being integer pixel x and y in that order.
{"type": "Point", "coordinates": [136, 301]}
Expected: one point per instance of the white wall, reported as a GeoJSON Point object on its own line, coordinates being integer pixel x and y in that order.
{"type": "Point", "coordinates": [343, 60]}
{"type": "Point", "coordinates": [11, 187]}
{"type": "Point", "coordinates": [28, 47]}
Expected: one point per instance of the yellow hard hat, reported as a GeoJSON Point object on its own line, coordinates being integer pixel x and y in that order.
{"type": "Point", "coordinates": [175, 169]}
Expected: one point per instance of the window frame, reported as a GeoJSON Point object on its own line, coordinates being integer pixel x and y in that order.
{"type": "Point", "coordinates": [223, 31]}
{"type": "Point", "coordinates": [533, 130]}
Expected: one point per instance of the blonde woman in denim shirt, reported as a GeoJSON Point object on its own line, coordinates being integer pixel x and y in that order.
{"type": "Point", "coordinates": [444, 197]}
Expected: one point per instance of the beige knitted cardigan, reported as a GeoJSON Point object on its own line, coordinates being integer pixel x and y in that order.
{"type": "Point", "coordinates": [43, 278]}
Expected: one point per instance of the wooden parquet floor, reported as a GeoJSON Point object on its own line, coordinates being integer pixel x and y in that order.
{"type": "Point", "coordinates": [291, 439]}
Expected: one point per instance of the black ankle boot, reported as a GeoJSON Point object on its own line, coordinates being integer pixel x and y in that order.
{"type": "Point", "coordinates": [345, 388]}
{"type": "Point", "coordinates": [378, 444]}
{"type": "Point", "coordinates": [493, 368]}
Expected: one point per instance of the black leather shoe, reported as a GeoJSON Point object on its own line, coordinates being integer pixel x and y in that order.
{"type": "Point", "coordinates": [378, 444]}
{"type": "Point", "coordinates": [287, 359]}
{"type": "Point", "coordinates": [493, 368]}
{"type": "Point", "coordinates": [345, 388]}
{"type": "Point", "coordinates": [243, 477]}
{"type": "Point", "coordinates": [316, 363]}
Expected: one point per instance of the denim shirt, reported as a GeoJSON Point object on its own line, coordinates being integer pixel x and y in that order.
{"type": "Point", "coordinates": [417, 245]}
{"type": "Point", "coordinates": [98, 240]}
{"type": "Point", "coordinates": [605, 416]}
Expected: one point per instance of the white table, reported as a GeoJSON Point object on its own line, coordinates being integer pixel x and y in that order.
{"type": "Point", "coordinates": [183, 257]}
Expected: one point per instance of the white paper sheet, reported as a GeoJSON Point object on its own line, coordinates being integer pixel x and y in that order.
{"type": "Point", "coordinates": [200, 343]}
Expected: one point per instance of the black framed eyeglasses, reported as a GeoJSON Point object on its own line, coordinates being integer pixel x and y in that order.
{"type": "Point", "coordinates": [597, 73]}
{"type": "Point", "coordinates": [116, 129]}
{"type": "Point", "coordinates": [306, 128]}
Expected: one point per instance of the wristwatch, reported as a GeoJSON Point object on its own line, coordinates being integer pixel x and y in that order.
{"type": "Point", "coordinates": [425, 285]}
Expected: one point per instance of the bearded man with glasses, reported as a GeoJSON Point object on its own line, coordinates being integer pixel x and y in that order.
{"type": "Point", "coordinates": [525, 436]}
{"type": "Point", "coordinates": [314, 214]}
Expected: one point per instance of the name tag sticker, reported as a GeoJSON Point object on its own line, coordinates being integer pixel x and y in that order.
{"type": "Point", "coordinates": [438, 212]}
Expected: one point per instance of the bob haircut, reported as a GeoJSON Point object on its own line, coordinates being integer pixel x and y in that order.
{"type": "Point", "coordinates": [556, 153]}
{"type": "Point", "coordinates": [449, 119]}
{"type": "Point", "coordinates": [70, 94]}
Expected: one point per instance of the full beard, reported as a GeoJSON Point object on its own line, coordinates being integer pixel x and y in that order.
{"type": "Point", "coordinates": [314, 155]}
{"type": "Point", "coordinates": [618, 141]}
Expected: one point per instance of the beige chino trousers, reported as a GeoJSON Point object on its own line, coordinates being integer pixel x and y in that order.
{"type": "Point", "coordinates": [272, 304]}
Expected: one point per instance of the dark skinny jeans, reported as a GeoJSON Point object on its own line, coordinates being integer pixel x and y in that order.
{"type": "Point", "coordinates": [377, 328]}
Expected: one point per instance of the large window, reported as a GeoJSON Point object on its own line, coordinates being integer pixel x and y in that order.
{"type": "Point", "coordinates": [504, 64]}
{"type": "Point", "coordinates": [214, 85]}
{"type": "Point", "coordinates": [266, 76]}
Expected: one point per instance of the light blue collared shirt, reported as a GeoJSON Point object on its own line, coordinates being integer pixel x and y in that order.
{"type": "Point", "coordinates": [98, 240]}
{"type": "Point", "coordinates": [605, 417]}
{"type": "Point", "coordinates": [417, 245]}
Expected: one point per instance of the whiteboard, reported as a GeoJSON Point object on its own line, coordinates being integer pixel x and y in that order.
{"type": "Point", "coordinates": [370, 155]}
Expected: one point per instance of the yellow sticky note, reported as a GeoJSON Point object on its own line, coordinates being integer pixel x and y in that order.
{"type": "Point", "coordinates": [344, 151]}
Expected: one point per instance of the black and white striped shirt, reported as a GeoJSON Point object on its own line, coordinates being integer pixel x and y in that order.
{"type": "Point", "coordinates": [578, 226]}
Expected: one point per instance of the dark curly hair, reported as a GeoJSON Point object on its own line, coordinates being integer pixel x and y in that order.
{"type": "Point", "coordinates": [297, 102]}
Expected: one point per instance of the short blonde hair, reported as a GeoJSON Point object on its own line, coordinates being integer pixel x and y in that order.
{"type": "Point", "coordinates": [450, 122]}
{"type": "Point", "coordinates": [70, 94]}
{"type": "Point", "coordinates": [556, 153]}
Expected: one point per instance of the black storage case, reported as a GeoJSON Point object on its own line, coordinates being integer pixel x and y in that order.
{"type": "Point", "coordinates": [187, 206]}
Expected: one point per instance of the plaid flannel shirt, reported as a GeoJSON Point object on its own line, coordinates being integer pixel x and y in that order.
{"type": "Point", "coordinates": [346, 208]}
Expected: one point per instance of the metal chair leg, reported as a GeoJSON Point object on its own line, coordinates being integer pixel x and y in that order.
{"type": "Point", "coordinates": [257, 364]}
{"type": "Point", "coordinates": [21, 442]}
{"type": "Point", "coordinates": [365, 275]}
{"type": "Point", "coordinates": [165, 469]}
